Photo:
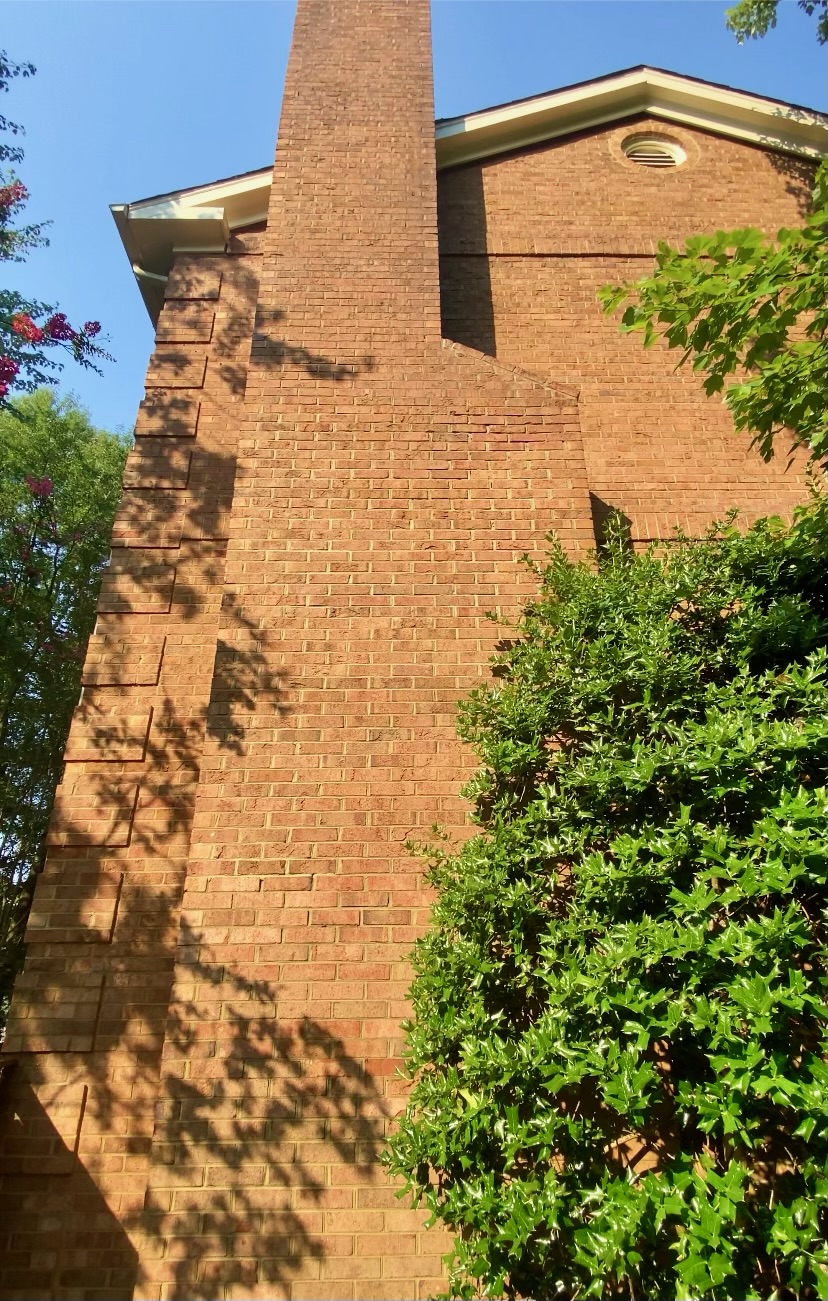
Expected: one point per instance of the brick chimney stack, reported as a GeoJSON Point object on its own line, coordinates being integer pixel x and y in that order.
{"type": "Point", "coordinates": [324, 500]}
{"type": "Point", "coordinates": [351, 263]}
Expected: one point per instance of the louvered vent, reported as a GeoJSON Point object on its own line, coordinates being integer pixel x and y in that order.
{"type": "Point", "coordinates": [653, 152]}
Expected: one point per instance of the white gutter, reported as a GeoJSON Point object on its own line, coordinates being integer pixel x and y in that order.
{"type": "Point", "coordinates": [202, 219]}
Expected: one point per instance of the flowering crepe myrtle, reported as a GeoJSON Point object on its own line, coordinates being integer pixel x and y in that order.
{"type": "Point", "coordinates": [41, 487]}
{"type": "Point", "coordinates": [60, 481]}
{"type": "Point", "coordinates": [31, 332]}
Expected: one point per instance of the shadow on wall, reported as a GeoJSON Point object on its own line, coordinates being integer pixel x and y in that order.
{"type": "Point", "coordinates": [602, 513]}
{"type": "Point", "coordinates": [799, 180]}
{"type": "Point", "coordinates": [79, 1096]}
{"type": "Point", "coordinates": [798, 172]}
{"type": "Point", "coordinates": [236, 1124]}
{"type": "Point", "coordinates": [272, 353]}
{"type": "Point", "coordinates": [466, 309]}
{"type": "Point", "coordinates": [231, 1122]}
{"type": "Point", "coordinates": [80, 1090]}
{"type": "Point", "coordinates": [42, 1256]}
{"type": "Point", "coordinates": [240, 1123]}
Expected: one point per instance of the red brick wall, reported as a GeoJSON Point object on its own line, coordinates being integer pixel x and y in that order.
{"type": "Point", "coordinates": [81, 1056]}
{"type": "Point", "coordinates": [324, 500]}
{"type": "Point", "coordinates": [387, 484]}
{"type": "Point", "coordinates": [526, 240]}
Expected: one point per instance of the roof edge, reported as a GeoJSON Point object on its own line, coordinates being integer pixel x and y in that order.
{"type": "Point", "coordinates": [203, 217]}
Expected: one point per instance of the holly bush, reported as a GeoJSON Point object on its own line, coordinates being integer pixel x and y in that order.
{"type": "Point", "coordinates": [619, 1007]}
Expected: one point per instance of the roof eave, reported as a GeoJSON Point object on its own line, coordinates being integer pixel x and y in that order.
{"type": "Point", "coordinates": [640, 90]}
{"type": "Point", "coordinates": [199, 220]}
{"type": "Point", "coordinates": [203, 218]}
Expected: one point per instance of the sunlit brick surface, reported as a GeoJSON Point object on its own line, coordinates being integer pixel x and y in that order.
{"type": "Point", "coordinates": [324, 500]}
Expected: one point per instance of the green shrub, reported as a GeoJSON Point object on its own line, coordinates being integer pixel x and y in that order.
{"type": "Point", "coordinates": [618, 1011]}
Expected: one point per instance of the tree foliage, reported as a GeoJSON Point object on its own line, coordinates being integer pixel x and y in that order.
{"type": "Point", "coordinates": [618, 1011]}
{"type": "Point", "coordinates": [754, 18]}
{"type": "Point", "coordinates": [60, 482]}
{"type": "Point", "coordinates": [31, 333]}
{"type": "Point", "coordinates": [737, 301]}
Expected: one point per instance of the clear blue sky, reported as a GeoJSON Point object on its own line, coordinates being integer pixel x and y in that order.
{"type": "Point", "coordinates": [134, 99]}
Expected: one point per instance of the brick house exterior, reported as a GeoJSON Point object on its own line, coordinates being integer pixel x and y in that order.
{"type": "Point", "coordinates": [379, 378]}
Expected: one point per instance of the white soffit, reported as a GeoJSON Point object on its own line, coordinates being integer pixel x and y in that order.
{"type": "Point", "coordinates": [202, 219]}
{"type": "Point", "coordinates": [766, 122]}
{"type": "Point", "coordinates": [198, 220]}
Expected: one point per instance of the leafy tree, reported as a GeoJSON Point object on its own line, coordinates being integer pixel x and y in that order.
{"type": "Point", "coordinates": [753, 18]}
{"type": "Point", "coordinates": [30, 332]}
{"type": "Point", "coordinates": [59, 486]}
{"type": "Point", "coordinates": [60, 482]}
{"type": "Point", "coordinates": [618, 1011]}
{"type": "Point", "coordinates": [737, 301]}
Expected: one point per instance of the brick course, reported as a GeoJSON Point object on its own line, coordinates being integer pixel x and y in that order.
{"type": "Point", "coordinates": [324, 500]}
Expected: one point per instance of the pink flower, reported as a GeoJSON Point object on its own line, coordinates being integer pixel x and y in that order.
{"type": "Point", "coordinates": [92, 328]}
{"type": "Point", "coordinates": [39, 487]}
{"type": "Point", "coordinates": [13, 194]}
{"type": "Point", "coordinates": [25, 328]}
{"type": "Point", "coordinates": [8, 369]}
{"type": "Point", "coordinates": [58, 328]}
{"type": "Point", "coordinates": [4, 388]}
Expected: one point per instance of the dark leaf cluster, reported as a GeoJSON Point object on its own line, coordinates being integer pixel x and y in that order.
{"type": "Point", "coordinates": [750, 19]}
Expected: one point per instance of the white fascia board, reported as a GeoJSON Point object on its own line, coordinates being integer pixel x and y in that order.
{"type": "Point", "coordinates": [202, 219]}
{"type": "Point", "coordinates": [643, 90]}
{"type": "Point", "coordinates": [194, 221]}
{"type": "Point", "coordinates": [512, 114]}
{"type": "Point", "coordinates": [243, 199]}
{"type": "Point", "coordinates": [174, 210]}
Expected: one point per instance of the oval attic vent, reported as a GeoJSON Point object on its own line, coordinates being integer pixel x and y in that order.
{"type": "Point", "coordinates": [653, 152]}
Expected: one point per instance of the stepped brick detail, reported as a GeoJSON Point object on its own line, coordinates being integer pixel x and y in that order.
{"type": "Point", "coordinates": [82, 1054]}
{"type": "Point", "coordinates": [351, 433]}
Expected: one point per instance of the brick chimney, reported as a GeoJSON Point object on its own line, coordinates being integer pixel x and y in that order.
{"type": "Point", "coordinates": [350, 266]}
{"type": "Point", "coordinates": [324, 500]}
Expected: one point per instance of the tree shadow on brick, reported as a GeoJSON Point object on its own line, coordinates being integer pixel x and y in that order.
{"type": "Point", "coordinates": [232, 333]}
{"type": "Point", "coordinates": [242, 681]}
{"type": "Point", "coordinates": [272, 353]}
{"type": "Point", "coordinates": [95, 991]}
{"type": "Point", "coordinates": [94, 997]}
{"type": "Point", "coordinates": [798, 172]}
{"type": "Point", "coordinates": [799, 180]}
{"type": "Point", "coordinates": [175, 412]}
{"type": "Point", "coordinates": [162, 518]}
{"type": "Point", "coordinates": [232, 1201]}
{"type": "Point", "coordinates": [41, 1255]}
